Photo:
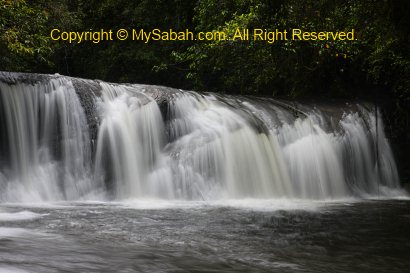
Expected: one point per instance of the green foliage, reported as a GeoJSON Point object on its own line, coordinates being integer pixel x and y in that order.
{"type": "Point", "coordinates": [379, 57]}
{"type": "Point", "coordinates": [285, 67]}
{"type": "Point", "coordinates": [22, 34]}
{"type": "Point", "coordinates": [24, 31]}
{"type": "Point", "coordinates": [127, 61]}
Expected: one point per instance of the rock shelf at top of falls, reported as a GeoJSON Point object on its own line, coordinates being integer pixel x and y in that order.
{"type": "Point", "coordinates": [65, 138]}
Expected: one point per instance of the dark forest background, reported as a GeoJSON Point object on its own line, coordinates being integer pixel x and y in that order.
{"type": "Point", "coordinates": [375, 67]}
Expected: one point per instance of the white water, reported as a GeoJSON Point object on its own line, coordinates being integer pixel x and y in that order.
{"type": "Point", "coordinates": [130, 139]}
{"type": "Point", "coordinates": [47, 140]}
{"type": "Point", "coordinates": [18, 216]}
{"type": "Point", "coordinates": [207, 148]}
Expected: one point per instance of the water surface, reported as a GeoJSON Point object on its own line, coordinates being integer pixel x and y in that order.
{"type": "Point", "coordinates": [242, 236]}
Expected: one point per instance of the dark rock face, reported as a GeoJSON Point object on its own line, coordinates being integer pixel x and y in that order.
{"type": "Point", "coordinates": [87, 92]}
{"type": "Point", "coordinates": [162, 95]}
{"type": "Point", "coordinates": [27, 78]}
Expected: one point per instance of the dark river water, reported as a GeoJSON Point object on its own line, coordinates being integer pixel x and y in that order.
{"type": "Point", "coordinates": [244, 236]}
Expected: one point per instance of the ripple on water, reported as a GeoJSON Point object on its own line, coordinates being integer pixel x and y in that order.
{"type": "Point", "coordinates": [24, 215]}
{"type": "Point", "coordinates": [10, 269]}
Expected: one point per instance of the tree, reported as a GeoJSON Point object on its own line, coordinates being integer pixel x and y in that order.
{"type": "Point", "coordinates": [22, 36]}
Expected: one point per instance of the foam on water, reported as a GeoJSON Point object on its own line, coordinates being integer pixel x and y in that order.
{"type": "Point", "coordinates": [6, 232]}
{"type": "Point", "coordinates": [241, 204]}
{"type": "Point", "coordinates": [19, 216]}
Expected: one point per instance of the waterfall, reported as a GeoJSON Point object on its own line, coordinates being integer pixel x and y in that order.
{"type": "Point", "coordinates": [130, 139]}
{"type": "Point", "coordinates": [46, 153]}
{"type": "Point", "coordinates": [157, 142]}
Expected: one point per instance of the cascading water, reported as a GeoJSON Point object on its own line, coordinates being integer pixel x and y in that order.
{"type": "Point", "coordinates": [154, 142]}
{"type": "Point", "coordinates": [131, 135]}
{"type": "Point", "coordinates": [217, 153]}
{"type": "Point", "coordinates": [45, 143]}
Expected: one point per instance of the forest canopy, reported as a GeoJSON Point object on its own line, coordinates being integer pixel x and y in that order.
{"type": "Point", "coordinates": [377, 61]}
